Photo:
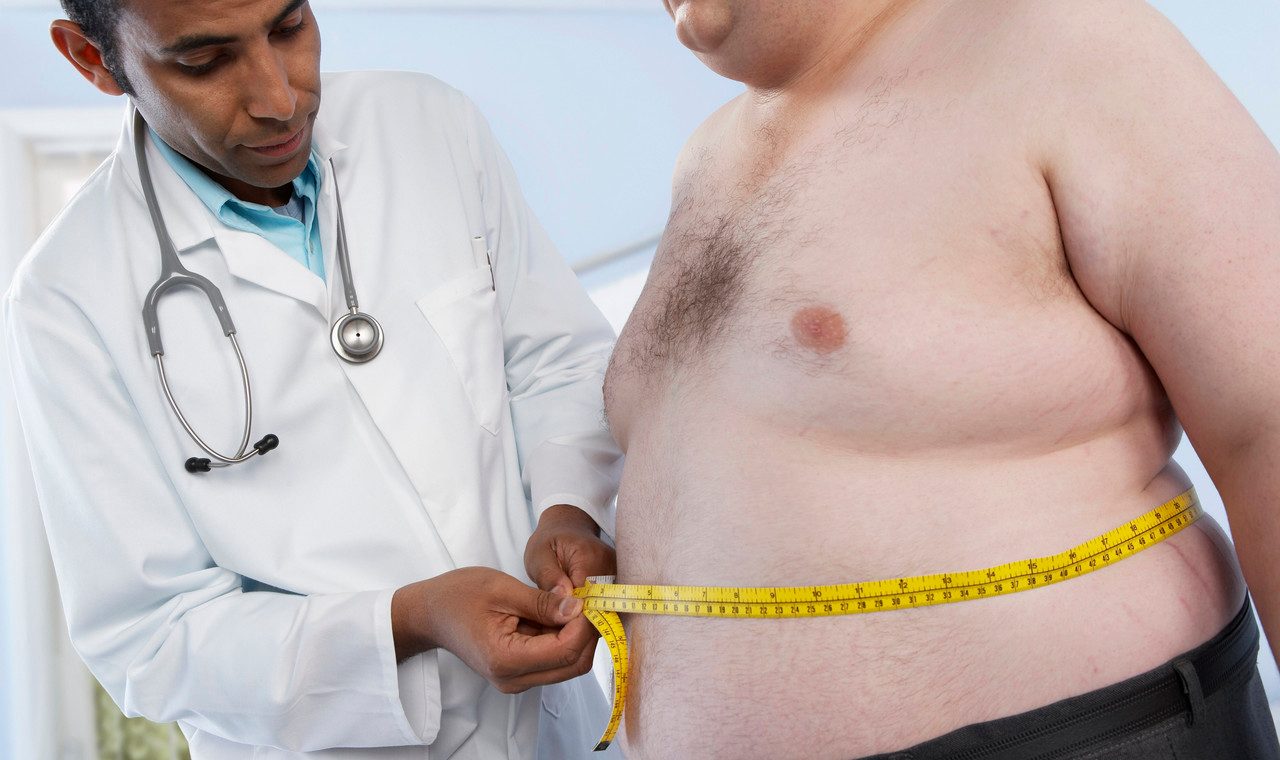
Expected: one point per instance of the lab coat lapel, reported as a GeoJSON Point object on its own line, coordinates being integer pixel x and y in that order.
{"type": "Point", "coordinates": [248, 255]}
{"type": "Point", "coordinates": [252, 259]}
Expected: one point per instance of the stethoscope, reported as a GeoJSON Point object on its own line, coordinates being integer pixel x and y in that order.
{"type": "Point", "coordinates": [356, 337]}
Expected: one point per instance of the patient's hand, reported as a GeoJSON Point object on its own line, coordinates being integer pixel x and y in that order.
{"type": "Point", "coordinates": [565, 549]}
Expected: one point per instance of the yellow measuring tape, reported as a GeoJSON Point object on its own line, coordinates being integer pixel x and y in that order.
{"type": "Point", "coordinates": [603, 599]}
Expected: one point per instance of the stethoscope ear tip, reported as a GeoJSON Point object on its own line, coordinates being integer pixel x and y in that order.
{"type": "Point", "coordinates": [198, 464]}
{"type": "Point", "coordinates": [268, 442]}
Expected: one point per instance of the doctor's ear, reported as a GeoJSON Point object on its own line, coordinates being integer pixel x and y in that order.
{"type": "Point", "coordinates": [86, 56]}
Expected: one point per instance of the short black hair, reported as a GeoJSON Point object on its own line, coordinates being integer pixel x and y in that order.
{"type": "Point", "coordinates": [98, 20]}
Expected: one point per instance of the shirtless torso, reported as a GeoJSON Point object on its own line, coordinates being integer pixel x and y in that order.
{"type": "Point", "coordinates": [865, 351]}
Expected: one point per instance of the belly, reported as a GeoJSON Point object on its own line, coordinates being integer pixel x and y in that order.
{"type": "Point", "coordinates": [712, 498]}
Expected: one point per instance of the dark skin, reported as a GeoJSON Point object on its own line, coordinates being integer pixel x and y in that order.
{"type": "Point", "coordinates": [515, 636]}
{"type": "Point", "coordinates": [234, 85]}
{"type": "Point", "coordinates": [566, 549]}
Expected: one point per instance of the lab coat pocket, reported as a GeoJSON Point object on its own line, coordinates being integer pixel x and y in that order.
{"type": "Point", "coordinates": [463, 311]}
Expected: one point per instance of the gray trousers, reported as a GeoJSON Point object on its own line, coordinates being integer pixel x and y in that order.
{"type": "Point", "coordinates": [1207, 704]}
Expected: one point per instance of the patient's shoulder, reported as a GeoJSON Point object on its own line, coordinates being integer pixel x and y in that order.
{"type": "Point", "coordinates": [703, 140]}
{"type": "Point", "coordinates": [1096, 45]}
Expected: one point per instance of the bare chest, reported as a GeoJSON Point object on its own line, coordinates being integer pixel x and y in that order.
{"type": "Point", "coordinates": [856, 291]}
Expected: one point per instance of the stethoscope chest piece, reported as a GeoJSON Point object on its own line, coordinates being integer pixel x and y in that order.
{"type": "Point", "coordinates": [356, 337]}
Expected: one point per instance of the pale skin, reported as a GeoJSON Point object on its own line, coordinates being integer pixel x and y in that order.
{"type": "Point", "coordinates": [234, 85]}
{"type": "Point", "coordinates": [936, 293]}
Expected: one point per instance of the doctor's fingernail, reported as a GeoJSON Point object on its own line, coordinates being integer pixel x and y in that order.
{"type": "Point", "coordinates": [570, 607]}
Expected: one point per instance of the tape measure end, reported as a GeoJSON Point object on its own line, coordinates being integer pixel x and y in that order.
{"type": "Point", "coordinates": [601, 747]}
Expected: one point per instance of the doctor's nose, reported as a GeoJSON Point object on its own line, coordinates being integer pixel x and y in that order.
{"type": "Point", "coordinates": [269, 92]}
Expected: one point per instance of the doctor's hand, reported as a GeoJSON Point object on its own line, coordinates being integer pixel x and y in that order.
{"type": "Point", "coordinates": [565, 549]}
{"type": "Point", "coordinates": [515, 636]}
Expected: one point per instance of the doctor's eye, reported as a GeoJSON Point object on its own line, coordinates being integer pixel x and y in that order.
{"type": "Point", "coordinates": [289, 31]}
{"type": "Point", "coordinates": [200, 69]}
{"type": "Point", "coordinates": [290, 26]}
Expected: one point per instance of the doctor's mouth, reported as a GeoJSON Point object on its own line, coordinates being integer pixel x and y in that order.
{"type": "Point", "coordinates": [278, 150]}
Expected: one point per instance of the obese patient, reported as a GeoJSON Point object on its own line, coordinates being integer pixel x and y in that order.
{"type": "Point", "coordinates": [941, 290]}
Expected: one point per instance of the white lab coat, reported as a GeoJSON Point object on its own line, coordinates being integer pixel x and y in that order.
{"type": "Point", "coordinates": [251, 604]}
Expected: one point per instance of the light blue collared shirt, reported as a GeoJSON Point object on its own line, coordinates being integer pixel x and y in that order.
{"type": "Point", "coordinates": [300, 238]}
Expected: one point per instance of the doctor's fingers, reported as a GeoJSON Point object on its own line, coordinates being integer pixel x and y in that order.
{"type": "Point", "coordinates": [530, 628]}
{"type": "Point", "coordinates": [543, 565]}
{"type": "Point", "coordinates": [541, 607]}
{"type": "Point", "coordinates": [575, 557]}
{"type": "Point", "coordinates": [590, 557]}
{"type": "Point", "coordinates": [526, 661]}
{"type": "Point", "coordinates": [579, 667]}
{"type": "Point", "coordinates": [572, 558]}
{"type": "Point", "coordinates": [553, 579]}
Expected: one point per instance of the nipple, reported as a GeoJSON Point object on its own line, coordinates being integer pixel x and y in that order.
{"type": "Point", "coordinates": [819, 329]}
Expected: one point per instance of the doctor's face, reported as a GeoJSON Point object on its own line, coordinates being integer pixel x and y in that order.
{"type": "Point", "coordinates": [234, 85]}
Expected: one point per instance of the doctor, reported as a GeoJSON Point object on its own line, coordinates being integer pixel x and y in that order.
{"type": "Point", "coordinates": [358, 590]}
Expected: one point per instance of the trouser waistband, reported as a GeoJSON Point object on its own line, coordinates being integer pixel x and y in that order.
{"type": "Point", "coordinates": [1179, 687]}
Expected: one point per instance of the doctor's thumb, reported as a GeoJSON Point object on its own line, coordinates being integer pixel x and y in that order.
{"type": "Point", "coordinates": [554, 609]}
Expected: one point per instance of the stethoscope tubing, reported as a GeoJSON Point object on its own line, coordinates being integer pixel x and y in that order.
{"type": "Point", "coordinates": [356, 337]}
{"type": "Point", "coordinates": [223, 461]}
{"type": "Point", "coordinates": [360, 349]}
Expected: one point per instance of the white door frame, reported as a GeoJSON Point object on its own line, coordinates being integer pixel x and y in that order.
{"type": "Point", "coordinates": [49, 707]}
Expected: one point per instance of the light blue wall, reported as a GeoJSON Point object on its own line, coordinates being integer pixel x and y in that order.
{"type": "Point", "coordinates": [1241, 41]}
